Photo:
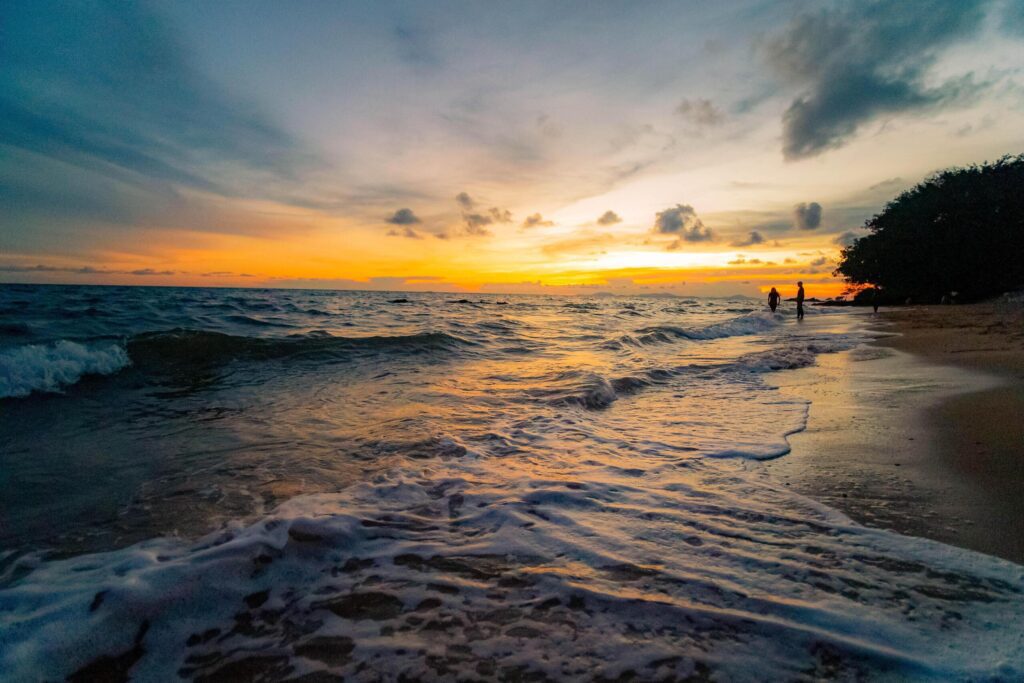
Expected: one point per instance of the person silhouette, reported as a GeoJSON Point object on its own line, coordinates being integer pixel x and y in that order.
{"type": "Point", "coordinates": [800, 300]}
{"type": "Point", "coordinates": [773, 299]}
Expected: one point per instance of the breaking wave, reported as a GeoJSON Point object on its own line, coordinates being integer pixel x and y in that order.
{"type": "Point", "coordinates": [51, 368]}
{"type": "Point", "coordinates": [752, 323]}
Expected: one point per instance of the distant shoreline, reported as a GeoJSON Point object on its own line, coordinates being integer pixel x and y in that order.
{"type": "Point", "coordinates": [927, 438]}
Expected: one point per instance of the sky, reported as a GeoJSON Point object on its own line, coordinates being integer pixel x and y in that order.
{"type": "Point", "coordinates": [693, 148]}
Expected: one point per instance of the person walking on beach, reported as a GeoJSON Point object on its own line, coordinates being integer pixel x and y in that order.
{"type": "Point", "coordinates": [773, 299]}
{"type": "Point", "coordinates": [800, 300]}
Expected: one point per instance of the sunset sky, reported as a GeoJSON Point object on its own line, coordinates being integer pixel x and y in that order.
{"type": "Point", "coordinates": [692, 147]}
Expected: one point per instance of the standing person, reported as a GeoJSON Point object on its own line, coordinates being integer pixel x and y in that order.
{"type": "Point", "coordinates": [773, 299]}
{"type": "Point", "coordinates": [800, 300]}
{"type": "Point", "coordinates": [874, 298]}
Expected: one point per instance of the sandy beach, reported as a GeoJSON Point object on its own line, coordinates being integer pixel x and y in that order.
{"type": "Point", "coordinates": [921, 432]}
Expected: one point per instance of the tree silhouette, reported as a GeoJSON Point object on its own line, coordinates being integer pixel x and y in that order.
{"type": "Point", "coordinates": [961, 230]}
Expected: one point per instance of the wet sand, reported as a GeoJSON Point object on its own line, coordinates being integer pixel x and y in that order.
{"type": "Point", "coordinates": [921, 432]}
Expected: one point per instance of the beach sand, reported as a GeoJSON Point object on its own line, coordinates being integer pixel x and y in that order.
{"type": "Point", "coordinates": [921, 432]}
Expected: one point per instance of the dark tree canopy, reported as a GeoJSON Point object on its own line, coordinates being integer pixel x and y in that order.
{"type": "Point", "coordinates": [961, 230]}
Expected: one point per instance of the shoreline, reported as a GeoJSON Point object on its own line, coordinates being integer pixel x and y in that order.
{"type": "Point", "coordinates": [920, 431]}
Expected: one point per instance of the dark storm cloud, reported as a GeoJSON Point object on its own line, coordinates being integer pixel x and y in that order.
{"type": "Point", "coordinates": [700, 112]}
{"type": "Point", "coordinates": [103, 96]}
{"type": "Point", "coordinates": [403, 217]}
{"type": "Point", "coordinates": [807, 216]}
{"type": "Point", "coordinates": [861, 60]}
{"type": "Point", "coordinates": [683, 222]}
{"type": "Point", "coordinates": [752, 239]}
{"type": "Point", "coordinates": [609, 218]}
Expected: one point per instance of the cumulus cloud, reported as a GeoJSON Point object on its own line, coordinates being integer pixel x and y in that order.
{"type": "Point", "coordinates": [407, 232]}
{"type": "Point", "coordinates": [820, 261]}
{"type": "Point", "coordinates": [807, 216]}
{"type": "Point", "coordinates": [476, 224]}
{"type": "Point", "coordinates": [535, 220]}
{"type": "Point", "coordinates": [403, 217]}
{"type": "Point", "coordinates": [609, 218]}
{"type": "Point", "coordinates": [465, 201]}
{"type": "Point", "coordinates": [861, 60]}
{"type": "Point", "coordinates": [500, 215]}
{"type": "Point", "coordinates": [752, 239]}
{"type": "Point", "coordinates": [700, 112]}
{"type": "Point", "coordinates": [683, 222]}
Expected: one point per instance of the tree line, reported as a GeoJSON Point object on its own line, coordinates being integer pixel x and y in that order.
{"type": "Point", "coordinates": [958, 233]}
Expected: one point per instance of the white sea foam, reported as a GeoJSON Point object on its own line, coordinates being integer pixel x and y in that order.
{"type": "Point", "coordinates": [49, 368]}
{"type": "Point", "coordinates": [434, 573]}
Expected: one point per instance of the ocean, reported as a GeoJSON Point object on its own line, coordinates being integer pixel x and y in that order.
{"type": "Point", "coordinates": [243, 484]}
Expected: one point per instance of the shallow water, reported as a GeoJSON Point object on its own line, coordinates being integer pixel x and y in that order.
{"type": "Point", "coordinates": [437, 485]}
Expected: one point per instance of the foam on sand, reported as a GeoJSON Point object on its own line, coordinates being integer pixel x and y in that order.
{"type": "Point", "coordinates": [456, 570]}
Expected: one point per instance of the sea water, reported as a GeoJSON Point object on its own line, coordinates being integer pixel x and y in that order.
{"type": "Point", "coordinates": [211, 483]}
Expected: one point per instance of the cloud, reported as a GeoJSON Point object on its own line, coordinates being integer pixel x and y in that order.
{"type": "Point", "coordinates": [1013, 18]}
{"type": "Point", "coordinates": [683, 222]}
{"type": "Point", "coordinates": [807, 216]}
{"type": "Point", "coordinates": [476, 224]}
{"type": "Point", "coordinates": [534, 220]}
{"type": "Point", "coordinates": [82, 270]}
{"type": "Point", "coordinates": [820, 261]}
{"type": "Point", "coordinates": [407, 232]}
{"type": "Point", "coordinates": [609, 218]}
{"type": "Point", "coordinates": [752, 239]}
{"type": "Point", "coordinates": [415, 48]}
{"type": "Point", "coordinates": [104, 96]}
{"type": "Point", "coordinates": [500, 215]}
{"type": "Point", "coordinates": [465, 201]}
{"type": "Point", "coordinates": [889, 184]}
{"type": "Point", "coordinates": [846, 239]}
{"type": "Point", "coordinates": [700, 112]}
{"type": "Point", "coordinates": [861, 60]}
{"type": "Point", "coordinates": [403, 217]}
